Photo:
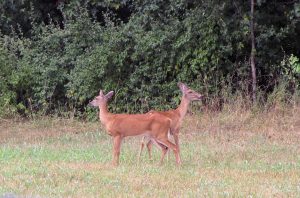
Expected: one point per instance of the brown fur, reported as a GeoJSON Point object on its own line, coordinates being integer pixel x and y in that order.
{"type": "Point", "coordinates": [175, 115]}
{"type": "Point", "coordinates": [155, 126]}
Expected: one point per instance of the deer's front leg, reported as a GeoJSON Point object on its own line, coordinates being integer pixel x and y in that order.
{"type": "Point", "coordinates": [116, 150]}
{"type": "Point", "coordinates": [176, 139]}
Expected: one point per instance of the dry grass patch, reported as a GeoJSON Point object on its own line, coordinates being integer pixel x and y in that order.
{"type": "Point", "coordinates": [280, 124]}
{"type": "Point", "coordinates": [41, 129]}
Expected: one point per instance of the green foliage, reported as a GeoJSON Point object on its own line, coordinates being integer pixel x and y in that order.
{"type": "Point", "coordinates": [59, 56]}
{"type": "Point", "coordinates": [7, 96]}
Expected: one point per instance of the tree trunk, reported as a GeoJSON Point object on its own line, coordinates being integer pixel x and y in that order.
{"type": "Point", "coordinates": [252, 56]}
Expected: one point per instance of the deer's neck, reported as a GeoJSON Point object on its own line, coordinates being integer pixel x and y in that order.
{"type": "Point", "coordinates": [183, 107]}
{"type": "Point", "coordinates": [103, 114]}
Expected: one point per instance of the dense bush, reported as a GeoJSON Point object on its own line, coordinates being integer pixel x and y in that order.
{"type": "Point", "coordinates": [56, 62]}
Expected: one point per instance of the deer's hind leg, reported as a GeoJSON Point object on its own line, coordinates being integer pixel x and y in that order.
{"type": "Point", "coordinates": [164, 150]}
{"type": "Point", "coordinates": [149, 147]}
{"type": "Point", "coordinates": [165, 142]}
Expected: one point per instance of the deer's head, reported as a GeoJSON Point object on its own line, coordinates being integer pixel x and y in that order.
{"type": "Point", "coordinates": [188, 93]}
{"type": "Point", "coordinates": [101, 98]}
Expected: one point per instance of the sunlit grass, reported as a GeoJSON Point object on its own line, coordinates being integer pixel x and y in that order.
{"type": "Point", "coordinates": [76, 162]}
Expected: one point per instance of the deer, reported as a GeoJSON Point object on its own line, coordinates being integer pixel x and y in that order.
{"type": "Point", "coordinates": [176, 116]}
{"type": "Point", "coordinates": [154, 126]}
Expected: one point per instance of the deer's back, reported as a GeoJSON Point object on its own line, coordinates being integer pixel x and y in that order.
{"type": "Point", "coordinates": [137, 124]}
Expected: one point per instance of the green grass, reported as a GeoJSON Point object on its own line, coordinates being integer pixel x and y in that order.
{"type": "Point", "coordinates": [79, 165]}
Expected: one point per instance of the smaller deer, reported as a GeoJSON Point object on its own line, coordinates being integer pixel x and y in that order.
{"type": "Point", "coordinates": [176, 116]}
{"type": "Point", "coordinates": [154, 126]}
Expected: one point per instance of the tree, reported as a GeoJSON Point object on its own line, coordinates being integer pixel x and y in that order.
{"type": "Point", "coordinates": [252, 55]}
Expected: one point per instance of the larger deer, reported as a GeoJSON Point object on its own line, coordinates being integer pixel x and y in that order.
{"type": "Point", "coordinates": [176, 116]}
{"type": "Point", "coordinates": [155, 126]}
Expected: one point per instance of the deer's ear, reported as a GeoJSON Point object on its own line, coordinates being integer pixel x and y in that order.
{"type": "Point", "coordinates": [101, 93]}
{"type": "Point", "coordinates": [182, 87]}
{"type": "Point", "coordinates": [109, 94]}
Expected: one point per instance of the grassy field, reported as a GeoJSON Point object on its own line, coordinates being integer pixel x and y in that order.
{"type": "Point", "coordinates": [229, 154]}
